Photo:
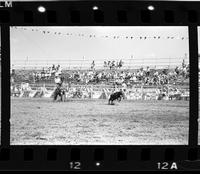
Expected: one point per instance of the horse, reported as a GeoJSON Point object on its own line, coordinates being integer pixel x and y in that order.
{"type": "Point", "coordinates": [116, 96]}
{"type": "Point", "coordinates": [61, 92]}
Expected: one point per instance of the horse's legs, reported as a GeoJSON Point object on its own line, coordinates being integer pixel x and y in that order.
{"type": "Point", "coordinates": [64, 96]}
{"type": "Point", "coordinates": [55, 96]}
{"type": "Point", "coordinates": [109, 99]}
{"type": "Point", "coordinates": [60, 96]}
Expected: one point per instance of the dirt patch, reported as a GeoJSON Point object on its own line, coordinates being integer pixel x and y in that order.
{"type": "Point", "coordinates": [81, 122]}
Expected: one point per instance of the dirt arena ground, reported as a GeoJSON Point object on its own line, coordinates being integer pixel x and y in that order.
{"type": "Point", "coordinates": [82, 122]}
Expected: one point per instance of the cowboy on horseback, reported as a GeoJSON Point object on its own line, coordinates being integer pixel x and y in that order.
{"type": "Point", "coordinates": [58, 81]}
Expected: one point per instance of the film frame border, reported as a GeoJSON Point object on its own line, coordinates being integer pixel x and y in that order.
{"type": "Point", "coordinates": [93, 157]}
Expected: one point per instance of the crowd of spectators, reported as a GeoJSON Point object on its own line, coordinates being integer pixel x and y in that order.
{"type": "Point", "coordinates": [145, 76]}
{"type": "Point", "coordinates": [113, 64]}
{"type": "Point", "coordinates": [109, 64]}
{"type": "Point", "coordinates": [47, 74]}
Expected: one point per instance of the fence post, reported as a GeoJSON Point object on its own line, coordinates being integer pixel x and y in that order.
{"type": "Point", "coordinates": [142, 91]}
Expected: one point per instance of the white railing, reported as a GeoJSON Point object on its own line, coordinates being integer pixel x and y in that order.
{"type": "Point", "coordinates": [99, 64]}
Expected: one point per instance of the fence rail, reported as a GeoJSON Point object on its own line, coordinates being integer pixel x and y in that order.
{"type": "Point", "coordinates": [85, 64]}
{"type": "Point", "coordinates": [52, 86]}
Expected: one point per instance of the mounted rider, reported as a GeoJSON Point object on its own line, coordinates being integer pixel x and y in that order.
{"type": "Point", "coordinates": [58, 81]}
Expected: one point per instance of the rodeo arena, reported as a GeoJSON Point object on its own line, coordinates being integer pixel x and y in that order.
{"type": "Point", "coordinates": [120, 101]}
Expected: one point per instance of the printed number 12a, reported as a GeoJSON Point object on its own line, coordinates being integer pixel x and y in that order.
{"type": "Point", "coordinates": [167, 166]}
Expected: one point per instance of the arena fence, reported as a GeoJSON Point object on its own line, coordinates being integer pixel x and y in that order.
{"type": "Point", "coordinates": [102, 92]}
{"type": "Point", "coordinates": [85, 63]}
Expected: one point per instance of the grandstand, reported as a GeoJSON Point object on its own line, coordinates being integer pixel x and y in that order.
{"type": "Point", "coordinates": [27, 75]}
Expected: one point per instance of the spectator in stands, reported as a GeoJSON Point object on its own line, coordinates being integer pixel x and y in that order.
{"type": "Point", "coordinates": [12, 72]}
{"type": "Point", "coordinates": [147, 71]}
{"type": "Point", "coordinates": [113, 64]}
{"type": "Point", "coordinates": [183, 63]}
{"type": "Point", "coordinates": [43, 74]}
{"type": "Point", "coordinates": [177, 70]}
{"type": "Point", "coordinates": [59, 69]}
{"type": "Point", "coordinates": [120, 64]}
{"type": "Point", "coordinates": [105, 64]}
{"type": "Point", "coordinates": [46, 75]}
{"type": "Point", "coordinates": [93, 65]}
{"type": "Point", "coordinates": [53, 70]}
{"type": "Point", "coordinates": [109, 63]}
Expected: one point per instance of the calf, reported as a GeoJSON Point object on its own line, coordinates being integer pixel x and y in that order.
{"type": "Point", "coordinates": [116, 96]}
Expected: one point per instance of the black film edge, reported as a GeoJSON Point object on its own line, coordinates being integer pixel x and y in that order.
{"type": "Point", "coordinates": [28, 18]}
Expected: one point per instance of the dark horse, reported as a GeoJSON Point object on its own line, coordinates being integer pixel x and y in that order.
{"type": "Point", "coordinates": [116, 96]}
{"type": "Point", "coordinates": [59, 92]}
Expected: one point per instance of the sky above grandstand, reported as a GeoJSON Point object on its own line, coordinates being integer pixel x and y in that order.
{"type": "Point", "coordinates": [79, 46]}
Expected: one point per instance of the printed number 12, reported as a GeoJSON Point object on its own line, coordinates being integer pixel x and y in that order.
{"type": "Point", "coordinates": [75, 165]}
